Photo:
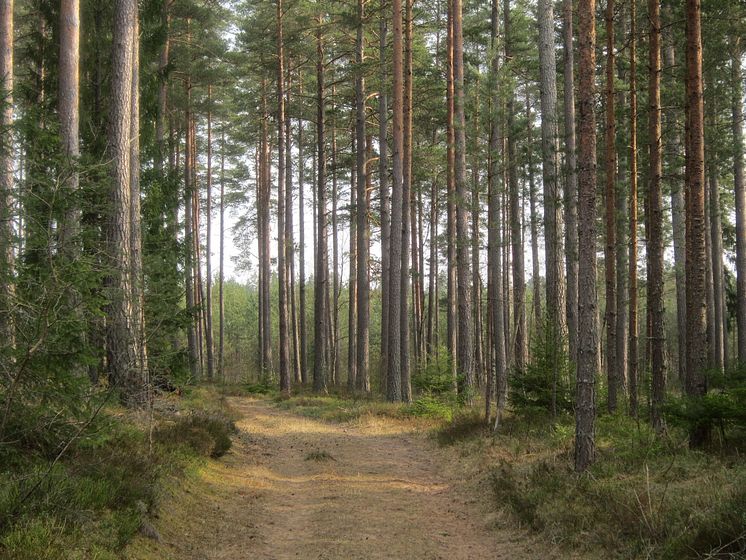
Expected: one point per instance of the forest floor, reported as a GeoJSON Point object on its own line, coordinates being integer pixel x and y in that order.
{"type": "Point", "coordinates": [298, 487]}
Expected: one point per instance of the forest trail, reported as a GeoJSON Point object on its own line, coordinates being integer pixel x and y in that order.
{"type": "Point", "coordinates": [294, 487]}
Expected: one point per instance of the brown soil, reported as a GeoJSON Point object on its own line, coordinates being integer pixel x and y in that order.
{"type": "Point", "coordinates": [294, 487]}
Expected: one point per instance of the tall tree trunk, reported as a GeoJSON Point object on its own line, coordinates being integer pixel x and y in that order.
{"type": "Point", "coordinates": [334, 305]}
{"type": "Point", "coordinates": [696, 331]}
{"type": "Point", "coordinates": [520, 342]}
{"type": "Point", "coordinates": [289, 234]}
{"type": "Point", "coordinates": [716, 248]}
{"type": "Point", "coordinates": [352, 278]}
{"type": "Point", "coordinates": [393, 386]}
{"type": "Point", "coordinates": [571, 183]}
{"type": "Point", "coordinates": [189, 228]}
{"type": "Point", "coordinates": [361, 214]}
{"type": "Point", "coordinates": [321, 275]}
{"type": "Point", "coordinates": [740, 195]}
{"type": "Point", "coordinates": [406, 384]}
{"type": "Point", "coordinates": [221, 270]}
{"type": "Point", "coordinates": [264, 239]}
{"type": "Point", "coordinates": [208, 247]}
{"type": "Point", "coordinates": [69, 94]}
{"type": "Point", "coordinates": [476, 281]}
{"type": "Point", "coordinates": [7, 256]}
{"type": "Point", "coordinates": [451, 312]}
{"type": "Point", "coordinates": [673, 153]}
{"type": "Point", "coordinates": [632, 283]}
{"type": "Point", "coordinates": [282, 249]}
{"type": "Point", "coordinates": [465, 357]}
{"type": "Point", "coordinates": [163, 62]}
{"type": "Point", "coordinates": [138, 280]}
{"type": "Point", "coordinates": [555, 275]}
{"type": "Point", "coordinates": [585, 407]}
{"type": "Point", "coordinates": [121, 337]}
{"type": "Point", "coordinates": [302, 244]}
{"type": "Point", "coordinates": [534, 221]}
{"type": "Point", "coordinates": [654, 211]}
{"type": "Point", "coordinates": [383, 172]}
{"type": "Point", "coordinates": [610, 247]}
{"type": "Point", "coordinates": [494, 233]}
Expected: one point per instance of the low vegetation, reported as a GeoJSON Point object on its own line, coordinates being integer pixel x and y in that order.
{"type": "Point", "coordinates": [646, 496]}
{"type": "Point", "coordinates": [89, 494]}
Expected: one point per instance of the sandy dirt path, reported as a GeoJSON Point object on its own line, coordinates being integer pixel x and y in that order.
{"type": "Point", "coordinates": [381, 493]}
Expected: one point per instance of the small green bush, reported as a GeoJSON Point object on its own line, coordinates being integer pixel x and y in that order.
{"type": "Point", "coordinates": [531, 390]}
{"type": "Point", "coordinates": [435, 378]}
{"type": "Point", "coordinates": [723, 407]}
{"type": "Point", "coordinates": [428, 406]}
{"type": "Point", "coordinates": [206, 434]}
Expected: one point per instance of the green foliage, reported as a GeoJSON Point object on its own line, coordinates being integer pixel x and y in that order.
{"type": "Point", "coordinates": [723, 407]}
{"type": "Point", "coordinates": [435, 377]}
{"type": "Point", "coordinates": [428, 406]}
{"type": "Point", "coordinates": [531, 390]}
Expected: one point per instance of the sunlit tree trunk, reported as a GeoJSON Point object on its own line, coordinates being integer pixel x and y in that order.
{"type": "Point", "coordinates": [121, 336]}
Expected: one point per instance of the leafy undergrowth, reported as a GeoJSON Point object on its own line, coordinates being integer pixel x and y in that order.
{"type": "Point", "coordinates": [102, 490]}
{"type": "Point", "coordinates": [646, 497]}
